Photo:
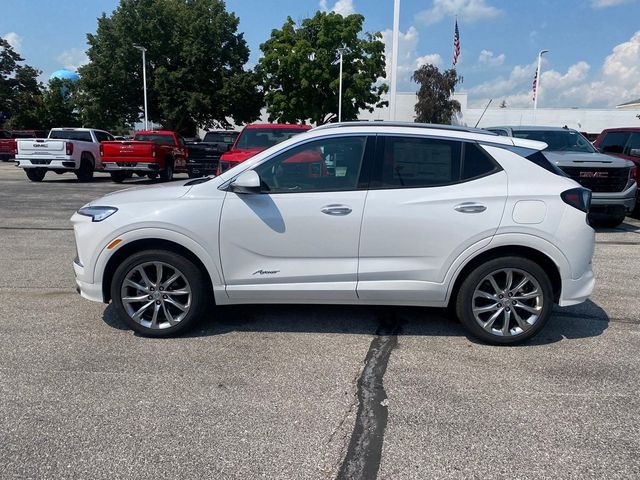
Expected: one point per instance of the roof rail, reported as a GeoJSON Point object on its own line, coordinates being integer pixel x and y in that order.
{"type": "Point", "coordinates": [385, 123]}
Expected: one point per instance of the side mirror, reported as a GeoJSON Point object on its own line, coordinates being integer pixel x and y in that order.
{"type": "Point", "coordinates": [634, 152]}
{"type": "Point", "coordinates": [246, 182]}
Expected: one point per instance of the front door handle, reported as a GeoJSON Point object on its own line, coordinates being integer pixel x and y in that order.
{"type": "Point", "coordinates": [336, 210]}
{"type": "Point", "coordinates": [470, 207]}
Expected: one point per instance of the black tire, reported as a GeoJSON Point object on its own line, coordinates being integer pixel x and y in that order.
{"type": "Point", "coordinates": [58, 172]}
{"type": "Point", "coordinates": [85, 172]}
{"type": "Point", "coordinates": [476, 279]}
{"type": "Point", "coordinates": [120, 177]}
{"type": "Point", "coordinates": [152, 176]}
{"type": "Point", "coordinates": [195, 280]}
{"type": "Point", "coordinates": [607, 222]}
{"type": "Point", "coordinates": [35, 174]}
{"type": "Point", "coordinates": [167, 174]}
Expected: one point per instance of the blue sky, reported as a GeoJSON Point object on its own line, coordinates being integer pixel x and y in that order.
{"type": "Point", "coordinates": [594, 57]}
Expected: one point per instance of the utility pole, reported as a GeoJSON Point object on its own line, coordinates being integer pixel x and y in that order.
{"type": "Point", "coordinates": [144, 81]}
{"type": "Point", "coordinates": [394, 60]}
{"type": "Point", "coordinates": [341, 52]}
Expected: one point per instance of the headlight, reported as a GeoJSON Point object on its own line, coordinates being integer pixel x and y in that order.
{"type": "Point", "coordinates": [96, 213]}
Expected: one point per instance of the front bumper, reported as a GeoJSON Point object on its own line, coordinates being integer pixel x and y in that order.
{"type": "Point", "coordinates": [90, 291]}
{"type": "Point", "coordinates": [578, 290]}
{"type": "Point", "coordinates": [130, 167]}
{"type": "Point", "coordinates": [606, 200]}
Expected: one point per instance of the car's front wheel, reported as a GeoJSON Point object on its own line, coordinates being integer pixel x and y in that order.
{"type": "Point", "coordinates": [505, 301]}
{"type": "Point", "coordinates": [159, 293]}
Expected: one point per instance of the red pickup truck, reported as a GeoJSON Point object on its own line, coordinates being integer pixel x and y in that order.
{"type": "Point", "coordinates": [151, 152]}
{"type": "Point", "coordinates": [7, 146]}
{"type": "Point", "coordinates": [256, 138]}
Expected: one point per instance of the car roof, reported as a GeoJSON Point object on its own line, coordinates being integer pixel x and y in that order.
{"type": "Point", "coordinates": [537, 128]}
{"type": "Point", "coordinates": [386, 123]}
{"type": "Point", "coordinates": [292, 126]}
{"type": "Point", "coordinates": [160, 132]}
{"type": "Point", "coordinates": [622, 129]}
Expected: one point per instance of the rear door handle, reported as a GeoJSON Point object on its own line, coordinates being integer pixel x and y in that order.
{"type": "Point", "coordinates": [336, 210]}
{"type": "Point", "coordinates": [470, 207]}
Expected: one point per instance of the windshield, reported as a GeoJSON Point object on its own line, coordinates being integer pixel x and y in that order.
{"type": "Point", "coordinates": [163, 139]}
{"type": "Point", "coordinates": [219, 137]}
{"type": "Point", "coordinates": [265, 137]}
{"type": "Point", "coordinates": [558, 140]}
{"type": "Point", "coordinates": [81, 135]}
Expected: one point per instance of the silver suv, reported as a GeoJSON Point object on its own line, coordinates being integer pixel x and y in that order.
{"type": "Point", "coordinates": [611, 179]}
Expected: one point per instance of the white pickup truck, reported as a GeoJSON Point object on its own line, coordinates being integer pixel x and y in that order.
{"type": "Point", "coordinates": [64, 150]}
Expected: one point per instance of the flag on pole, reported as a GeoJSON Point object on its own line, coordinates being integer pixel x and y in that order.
{"type": "Point", "coordinates": [535, 85]}
{"type": "Point", "coordinates": [456, 45]}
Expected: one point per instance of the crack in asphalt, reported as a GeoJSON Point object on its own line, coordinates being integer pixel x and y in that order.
{"type": "Point", "coordinates": [364, 453]}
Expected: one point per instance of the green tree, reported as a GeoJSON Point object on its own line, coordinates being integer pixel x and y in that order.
{"type": "Point", "coordinates": [435, 104]}
{"type": "Point", "coordinates": [195, 67]}
{"type": "Point", "coordinates": [59, 107]}
{"type": "Point", "coordinates": [20, 91]}
{"type": "Point", "coordinates": [300, 69]}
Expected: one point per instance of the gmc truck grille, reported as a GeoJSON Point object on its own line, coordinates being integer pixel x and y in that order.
{"type": "Point", "coordinates": [599, 179]}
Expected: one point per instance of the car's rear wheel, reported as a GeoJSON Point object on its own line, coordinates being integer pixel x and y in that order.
{"type": "Point", "coordinates": [120, 177]}
{"type": "Point", "coordinates": [167, 174]}
{"type": "Point", "coordinates": [159, 293]}
{"type": "Point", "coordinates": [35, 174]}
{"type": "Point", "coordinates": [85, 172]}
{"type": "Point", "coordinates": [505, 301]}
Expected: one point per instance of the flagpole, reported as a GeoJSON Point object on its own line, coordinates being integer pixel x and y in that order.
{"type": "Point", "coordinates": [394, 60]}
{"type": "Point", "coordinates": [536, 94]}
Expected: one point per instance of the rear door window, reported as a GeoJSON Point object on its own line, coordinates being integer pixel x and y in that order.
{"type": "Point", "coordinates": [614, 142]}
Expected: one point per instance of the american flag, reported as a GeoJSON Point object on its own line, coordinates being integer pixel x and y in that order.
{"type": "Point", "coordinates": [456, 45]}
{"type": "Point", "coordinates": [535, 85]}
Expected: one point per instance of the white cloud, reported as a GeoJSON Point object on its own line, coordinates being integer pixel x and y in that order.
{"type": "Point", "coordinates": [408, 59]}
{"type": "Point", "coordinates": [14, 40]}
{"type": "Point", "coordinates": [469, 11]}
{"type": "Point", "coordinates": [608, 3]}
{"type": "Point", "coordinates": [488, 58]}
{"type": "Point", "coordinates": [617, 81]}
{"type": "Point", "coordinates": [341, 7]}
{"type": "Point", "coordinates": [73, 58]}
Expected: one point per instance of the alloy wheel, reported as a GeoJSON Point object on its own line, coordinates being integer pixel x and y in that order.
{"type": "Point", "coordinates": [156, 295]}
{"type": "Point", "coordinates": [507, 302]}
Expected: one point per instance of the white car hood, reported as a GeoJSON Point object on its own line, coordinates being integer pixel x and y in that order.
{"type": "Point", "coordinates": [146, 193]}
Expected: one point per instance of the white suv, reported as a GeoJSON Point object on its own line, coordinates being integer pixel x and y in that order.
{"type": "Point", "coordinates": [357, 213]}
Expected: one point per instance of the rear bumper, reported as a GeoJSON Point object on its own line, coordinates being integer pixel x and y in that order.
{"type": "Point", "coordinates": [130, 167]}
{"type": "Point", "coordinates": [49, 164]}
{"type": "Point", "coordinates": [576, 291]}
{"type": "Point", "coordinates": [7, 156]}
{"type": "Point", "coordinates": [202, 167]}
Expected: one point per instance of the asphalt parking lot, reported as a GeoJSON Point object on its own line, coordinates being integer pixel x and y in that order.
{"type": "Point", "coordinates": [294, 391]}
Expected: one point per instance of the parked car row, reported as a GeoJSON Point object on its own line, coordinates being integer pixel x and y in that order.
{"type": "Point", "coordinates": [151, 153]}
{"type": "Point", "coordinates": [612, 180]}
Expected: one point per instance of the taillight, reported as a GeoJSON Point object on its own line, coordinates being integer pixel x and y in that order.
{"type": "Point", "coordinates": [153, 151]}
{"type": "Point", "coordinates": [69, 148]}
{"type": "Point", "coordinates": [15, 147]}
{"type": "Point", "coordinates": [101, 150]}
{"type": "Point", "coordinates": [579, 198]}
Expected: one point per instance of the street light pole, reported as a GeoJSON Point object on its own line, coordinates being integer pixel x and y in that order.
{"type": "Point", "coordinates": [144, 81]}
{"type": "Point", "coordinates": [341, 52]}
{"type": "Point", "coordinates": [394, 60]}
{"type": "Point", "coordinates": [538, 80]}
